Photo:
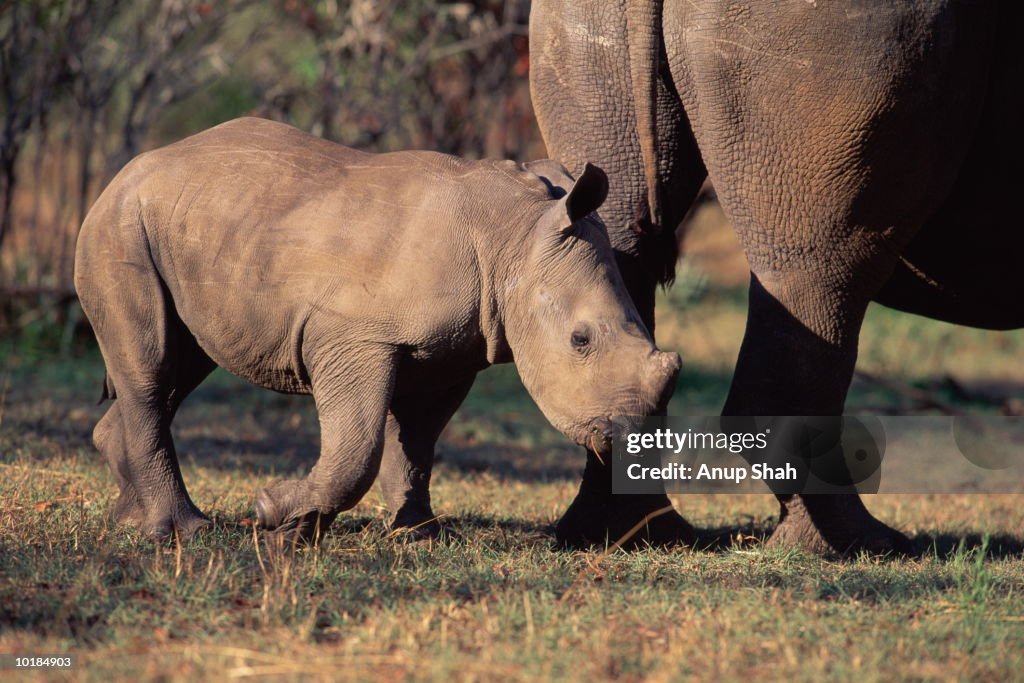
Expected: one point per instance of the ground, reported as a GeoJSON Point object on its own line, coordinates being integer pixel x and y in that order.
{"type": "Point", "coordinates": [498, 602]}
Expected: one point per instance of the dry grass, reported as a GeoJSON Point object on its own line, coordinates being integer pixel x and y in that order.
{"type": "Point", "coordinates": [495, 602]}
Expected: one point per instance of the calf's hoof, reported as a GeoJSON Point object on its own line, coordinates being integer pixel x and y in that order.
{"type": "Point", "coordinates": [128, 511]}
{"type": "Point", "coordinates": [184, 522]}
{"type": "Point", "coordinates": [631, 520]}
{"type": "Point", "coordinates": [283, 508]}
{"type": "Point", "coordinates": [836, 525]}
{"type": "Point", "coordinates": [416, 523]}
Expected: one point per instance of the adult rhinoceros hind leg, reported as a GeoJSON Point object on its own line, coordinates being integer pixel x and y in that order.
{"type": "Point", "coordinates": [787, 368]}
{"type": "Point", "coordinates": [599, 517]}
{"type": "Point", "coordinates": [828, 168]}
{"type": "Point", "coordinates": [835, 524]}
{"type": "Point", "coordinates": [413, 427]}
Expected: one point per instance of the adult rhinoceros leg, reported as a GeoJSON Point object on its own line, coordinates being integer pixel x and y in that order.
{"type": "Point", "coordinates": [352, 389]}
{"type": "Point", "coordinates": [596, 516]}
{"type": "Point", "coordinates": [413, 427]}
{"type": "Point", "coordinates": [830, 136]}
{"type": "Point", "coordinates": [786, 367]}
{"type": "Point", "coordinates": [583, 95]}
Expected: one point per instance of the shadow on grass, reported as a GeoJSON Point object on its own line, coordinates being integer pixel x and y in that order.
{"type": "Point", "coordinates": [456, 526]}
{"type": "Point", "coordinates": [287, 455]}
{"type": "Point", "coordinates": [268, 456]}
{"type": "Point", "coordinates": [516, 463]}
{"type": "Point", "coordinates": [721, 539]}
{"type": "Point", "coordinates": [505, 525]}
{"type": "Point", "coordinates": [945, 546]}
{"type": "Point", "coordinates": [243, 523]}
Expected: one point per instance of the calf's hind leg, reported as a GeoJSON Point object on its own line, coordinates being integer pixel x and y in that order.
{"type": "Point", "coordinates": [153, 363]}
{"type": "Point", "coordinates": [352, 396]}
{"type": "Point", "coordinates": [109, 441]}
{"type": "Point", "coordinates": [413, 427]}
{"type": "Point", "coordinates": [108, 436]}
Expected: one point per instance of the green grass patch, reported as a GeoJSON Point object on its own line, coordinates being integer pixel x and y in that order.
{"type": "Point", "coordinates": [497, 601]}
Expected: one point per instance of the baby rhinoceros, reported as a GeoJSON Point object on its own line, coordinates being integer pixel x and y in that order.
{"type": "Point", "coordinates": [380, 284]}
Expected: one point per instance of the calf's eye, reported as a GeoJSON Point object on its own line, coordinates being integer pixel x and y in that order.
{"type": "Point", "coordinates": [579, 340]}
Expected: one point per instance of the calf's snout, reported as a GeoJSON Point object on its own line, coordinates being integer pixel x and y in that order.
{"type": "Point", "coordinates": [669, 361]}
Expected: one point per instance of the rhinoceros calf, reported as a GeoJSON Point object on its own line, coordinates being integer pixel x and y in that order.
{"type": "Point", "coordinates": [380, 284]}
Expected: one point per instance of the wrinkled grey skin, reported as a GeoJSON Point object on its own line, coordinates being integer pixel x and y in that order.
{"type": "Point", "coordinates": [380, 284]}
{"type": "Point", "coordinates": [863, 151]}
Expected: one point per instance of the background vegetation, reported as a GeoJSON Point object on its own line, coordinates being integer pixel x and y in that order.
{"type": "Point", "coordinates": [84, 85]}
{"type": "Point", "coordinates": [87, 84]}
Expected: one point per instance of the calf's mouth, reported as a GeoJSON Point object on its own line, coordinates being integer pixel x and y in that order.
{"type": "Point", "coordinates": [598, 435]}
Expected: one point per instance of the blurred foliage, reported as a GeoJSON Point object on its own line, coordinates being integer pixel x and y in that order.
{"type": "Point", "coordinates": [85, 85]}
{"type": "Point", "coordinates": [399, 74]}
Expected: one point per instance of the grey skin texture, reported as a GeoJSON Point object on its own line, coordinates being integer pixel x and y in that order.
{"type": "Point", "coordinates": [864, 151]}
{"type": "Point", "coordinates": [380, 284]}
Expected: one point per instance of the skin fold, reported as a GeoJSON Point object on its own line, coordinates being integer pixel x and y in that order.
{"type": "Point", "coordinates": [380, 284]}
{"type": "Point", "coordinates": [863, 151]}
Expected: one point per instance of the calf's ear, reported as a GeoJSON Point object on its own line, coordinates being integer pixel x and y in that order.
{"type": "Point", "coordinates": [589, 192]}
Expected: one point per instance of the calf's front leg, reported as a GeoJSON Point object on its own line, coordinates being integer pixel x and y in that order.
{"type": "Point", "coordinates": [352, 396]}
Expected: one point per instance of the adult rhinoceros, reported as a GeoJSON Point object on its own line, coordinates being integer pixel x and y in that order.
{"type": "Point", "coordinates": [864, 151]}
